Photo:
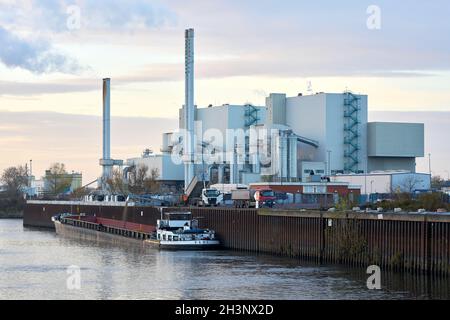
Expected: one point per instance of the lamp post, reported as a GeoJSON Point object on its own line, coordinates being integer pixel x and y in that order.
{"type": "Point", "coordinates": [329, 162]}
{"type": "Point", "coordinates": [429, 163]}
{"type": "Point", "coordinates": [371, 190]}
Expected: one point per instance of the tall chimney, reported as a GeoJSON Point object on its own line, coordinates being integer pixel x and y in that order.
{"type": "Point", "coordinates": [189, 113]}
{"type": "Point", "coordinates": [106, 161]}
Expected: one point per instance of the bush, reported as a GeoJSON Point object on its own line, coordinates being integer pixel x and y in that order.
{"type": "Point", "coordinates": [427, 201]}
{"type": "Point", "coordinates": [14, 205]}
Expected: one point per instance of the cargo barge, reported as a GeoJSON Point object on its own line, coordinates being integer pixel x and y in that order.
{"type": "Point", "coordinates": [101, 229]}
{"type": "Point", "coordinates": [177, 231]}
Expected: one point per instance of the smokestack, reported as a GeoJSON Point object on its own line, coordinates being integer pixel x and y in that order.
{"type": "Point", "coordinates": [106, 162]}
{"type": "Point", "coordinates": [106, 118]}
{"type": "Point", "coordinates": [189, 112]}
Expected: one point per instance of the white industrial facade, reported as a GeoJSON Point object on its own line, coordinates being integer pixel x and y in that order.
{"type": "Point", "coordinates": [291, 136]}
{"type": "Point", "coordinates": [327, 133]}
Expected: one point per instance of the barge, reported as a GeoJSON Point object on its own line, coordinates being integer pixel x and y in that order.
{"type": "Point", "coordinates": [177, 231]}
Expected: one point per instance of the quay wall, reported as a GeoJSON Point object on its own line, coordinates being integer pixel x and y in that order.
{"type": "Point", "coordinates": [403, 242]}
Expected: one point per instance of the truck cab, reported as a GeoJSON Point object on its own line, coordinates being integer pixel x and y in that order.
{"type": "Point", "coordinates": [265, 197]}
{"type": "Point", "coordinates": [212, 197]}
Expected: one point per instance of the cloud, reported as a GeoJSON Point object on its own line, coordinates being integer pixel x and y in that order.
{"type": "Point", "coordinates": [130, 13]}
{"type": "Point", "coordinates": [36, 56]}
{"type": "Point", "coordinates": [53, 15]}
{"type": "Point", "coordinates": [14, 88]}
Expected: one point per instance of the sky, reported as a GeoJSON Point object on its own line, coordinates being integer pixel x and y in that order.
{"type": "Point", "coordinates": [54, 53]}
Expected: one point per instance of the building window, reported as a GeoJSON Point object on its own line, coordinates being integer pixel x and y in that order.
{"type": "Point", "coordinates": [314, 189]}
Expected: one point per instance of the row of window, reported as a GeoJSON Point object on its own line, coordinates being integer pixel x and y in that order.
{"type": "Point", "coordinates": [308, 171]}
{"type": "Point", "coordinates": [168, 237]}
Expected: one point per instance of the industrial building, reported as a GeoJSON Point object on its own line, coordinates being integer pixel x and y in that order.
{"type": "Point", "coordinates": [312, 195]}
{"type": "Point", "coordinates": [385, 183]}
{"type": "Point", "coordinates": [73, 180]}
{"type": "Point", "coordinates": [286, 140]}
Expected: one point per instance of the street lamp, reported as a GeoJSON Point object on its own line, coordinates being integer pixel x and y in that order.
{"type": "Point", "coordinates": [429, 163]}
{"type": "Point", "coordinates": [371, 190]}
{"type": "Point", "coordinates": [329, 162]}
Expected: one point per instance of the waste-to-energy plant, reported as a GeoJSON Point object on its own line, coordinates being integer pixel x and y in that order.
{"type": "Point", "coordinates": [284, 141]}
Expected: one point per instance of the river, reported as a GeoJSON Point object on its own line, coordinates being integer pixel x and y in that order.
{"type": "Point", "coordinates": [34, 265]}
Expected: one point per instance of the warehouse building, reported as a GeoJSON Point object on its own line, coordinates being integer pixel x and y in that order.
{"type": "Point", "coordinates": [382, 184]}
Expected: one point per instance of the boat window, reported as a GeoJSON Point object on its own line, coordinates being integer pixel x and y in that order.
{"type": "Point", "coordinates": [164, 237]}
{"type": "Point", "coordinates": [169, 238]}
{"type": "Point", "coordinates": [175, 238]}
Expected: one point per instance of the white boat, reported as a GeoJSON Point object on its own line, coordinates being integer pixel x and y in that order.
{"type": "Point", "coordinates": [177, 230]}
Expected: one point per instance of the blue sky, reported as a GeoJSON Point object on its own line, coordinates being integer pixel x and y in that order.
{"type": "Point", "coordinates": [244, 51]}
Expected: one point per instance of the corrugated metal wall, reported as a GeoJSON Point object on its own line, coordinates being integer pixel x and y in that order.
{"type": "Point", "coordinates": [414, 243]}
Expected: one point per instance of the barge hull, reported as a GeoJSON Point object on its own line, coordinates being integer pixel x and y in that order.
{"type": "Point", "coordinates": [84, 234]}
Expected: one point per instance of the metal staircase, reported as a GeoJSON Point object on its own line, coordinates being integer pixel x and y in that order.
{"type": "Point", "coordinates": [251, 115]}
{"type": "Point", "coordinates": [351, 132]}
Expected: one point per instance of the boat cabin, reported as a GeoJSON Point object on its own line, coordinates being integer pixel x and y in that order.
{"type": "Point", "coordinates": [177, 220]}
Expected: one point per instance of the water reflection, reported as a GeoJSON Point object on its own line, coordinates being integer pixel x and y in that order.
{"type": "Point", "coordinates": [34, 264]}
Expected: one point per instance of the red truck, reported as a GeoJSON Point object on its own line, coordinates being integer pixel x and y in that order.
{"type": "Point", "coordinates": [265, 197]}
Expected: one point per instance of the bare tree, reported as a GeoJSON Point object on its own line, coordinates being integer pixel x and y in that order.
{"type": "Point", "coordinates": [151, 183]}
{"type": "Point", "coordinates": [410, 184]}
{"type": "Point", "coordinates": [117, 183]}
{"type": "Point", "coordinates": [140, 181]}
{"type": "Point", "coordinates": [57, 179]}
{"type": "Point", "coordinates": [136, 178]}
{"type": "Point", "coordinates": [15, 179]}
{"type": "Point", "coordinates": [437, 182]}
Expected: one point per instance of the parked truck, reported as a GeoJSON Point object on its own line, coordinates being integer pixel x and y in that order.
{"type": "Point", "coordinates": [265, 198]}
{"type": "Point", "coordinates": [211, 197]}
{"type": "Point", "coordinates": [243, 198]}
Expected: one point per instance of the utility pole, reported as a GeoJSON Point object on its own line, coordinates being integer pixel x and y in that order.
{"type": "Point", "coordinates": [429, 163]}
{"type": "Point", "coordinates": [329, 162]}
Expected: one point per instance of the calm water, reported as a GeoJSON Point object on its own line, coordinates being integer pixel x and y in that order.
{"type": "Point", "coordinates": [33, 265]}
